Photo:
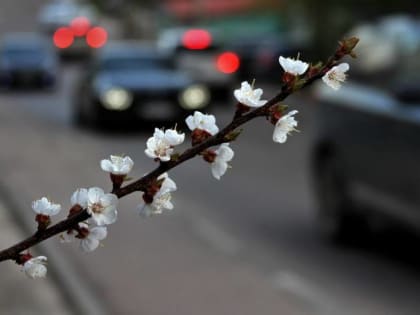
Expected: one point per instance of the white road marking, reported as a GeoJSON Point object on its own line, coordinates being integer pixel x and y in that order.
{"type": "Point", "coordinates": [319, 301]}
{"type": "Point", "coordinates": [215, 236]}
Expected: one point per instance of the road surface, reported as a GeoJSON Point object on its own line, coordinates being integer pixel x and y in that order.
{"type": "Point", "coordinates": [247, 244]}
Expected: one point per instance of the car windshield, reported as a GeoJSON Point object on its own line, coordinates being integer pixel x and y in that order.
{"type": "Point", "coordinates": [133, 63]}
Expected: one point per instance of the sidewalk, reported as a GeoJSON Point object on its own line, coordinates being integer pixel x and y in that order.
{"type": "Point", "coordinates": [19, 294]}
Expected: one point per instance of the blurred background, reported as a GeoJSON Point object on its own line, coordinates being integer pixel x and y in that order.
{"type": "Point", "coordinates": [324, 224]}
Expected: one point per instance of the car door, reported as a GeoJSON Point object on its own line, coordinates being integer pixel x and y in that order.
{"type": "Point", "coordinates": [361, 120]}
{"type": "Point", "coordinates": [405, 168]}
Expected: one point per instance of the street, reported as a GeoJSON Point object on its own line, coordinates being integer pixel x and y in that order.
{"type": "Point", "coordinates": [247, 244]}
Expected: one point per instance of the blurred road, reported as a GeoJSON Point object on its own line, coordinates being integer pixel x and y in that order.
{"type": "Point", "coordinates": [245, 245]}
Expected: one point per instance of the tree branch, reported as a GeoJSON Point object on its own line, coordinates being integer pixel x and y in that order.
{"type": "Point", "coordinates": [13, 252]}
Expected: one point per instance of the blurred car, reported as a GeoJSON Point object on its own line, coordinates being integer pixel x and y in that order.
{"type": "Point", "coordinates": [258, 38]}
{"type": "Point", "coordinates": [198, 52]}
{"type": "Point", "coordinates": [365, 158]}
{"type": "Point", "coordinates": [260, 55]}
{"type": "Point", "coordinates": [67, 23]}
{"type": "Point", "coordinates": [60, 13]}
{"type": "Point", "coordinates": [27, 60]}
{"type": "Point", "coordinates": [128, 82]}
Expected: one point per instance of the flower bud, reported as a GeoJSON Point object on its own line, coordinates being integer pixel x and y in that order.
{"type": "Point", "coordinates": [276, 112]}
{"type": "Point", "coordinates": [74, 210]}
{"type": "Point", "coordinates": [199, 135]}
{"type": "Point", "coordinates": [82, 232]}
{"type": "Point", "coordinates": [346, 47]}
{"type": "Point", "coordinates": [117, 180]}
{"type": "Point", "coordinates": [147, 198]}
{"type": "Point", "coordinates": [209, 156]}
{"type": "Point", "coordinates": [289, 79]}
{"type": "Point", "coordinates": [43, 221]}
{"type": "Point", "coordinates": [23, 258]}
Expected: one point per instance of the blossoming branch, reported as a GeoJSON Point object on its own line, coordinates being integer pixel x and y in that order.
{"type": "Point", "coordinates": [92, 209]}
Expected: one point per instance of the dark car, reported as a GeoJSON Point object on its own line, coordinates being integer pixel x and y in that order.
{"type": "Point", "coordinates": [198, 52]}
{"type": "Point", "coordinates": [72, 28]}
{"type": "Point", "coordinates": [129, 82]}
{"type": "Point", "coordinates": [260, 55]}
{"type": "Point", "coordinates": [27, 60]}
{"type": "Point", "coordinates": [367, 148]}
{"type": "Point", "coordinates": [60, 13]}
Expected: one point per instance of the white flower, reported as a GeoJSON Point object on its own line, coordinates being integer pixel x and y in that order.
{"type": "Point", "coordinates": [101, 206]}
{"type": "Point", "coordinates": [45, 207]}
{"type": "Point", "coordinates": [220, 164]}
{"type": "Point", "coordinates": [203, 122]}
{"type": "Point", "coordinates": [160, 146]}
{"type": "Point", "coordinates": [91, 241]}
{"type": "Point", "coordinates": [336, 76]}
{"type": "Point", "coordinates": [35, 267]}
{"type": "Point", "coordinates": [173, 138]}
{"type": "Point", "coordinates": [246, 95]}
{"type": "Point", "coordinates": [80, 197]}
{"type": "Point", "coordinates": [161, 200]}
{"type": "Point", "coordinates": [117, 165]}
{"type": "Point", "coordinates": [284, 126]}
{"type": "Point", "coordinates": [293, 66]}
{"type": "Point", "coordinates": [67, 236]}
{"type": "Point", "coordinates": [168, 185]}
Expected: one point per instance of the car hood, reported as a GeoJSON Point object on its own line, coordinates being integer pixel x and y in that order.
{"type": "Point", "coordinates": [159, 80]}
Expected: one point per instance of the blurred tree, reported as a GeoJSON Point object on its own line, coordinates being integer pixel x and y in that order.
{"type": "Point", "coordinates": [330, 19]}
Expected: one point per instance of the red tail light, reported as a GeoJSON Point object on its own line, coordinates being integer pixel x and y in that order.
{"type": "Point", "coordinates": [96, 37]}
{"type": "Point", "coordinates": [63, 37]}
{"type": "Point", "coordinates": [196, 39]}
{"type": "Point", "coordinates": [80, 26]}
{"type": "Point", "coordinates": [228, 62]}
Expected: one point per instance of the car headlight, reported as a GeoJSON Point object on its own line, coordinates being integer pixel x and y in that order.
{"type": "Point", "coordinates": [116, 99]}
{"type": "Point", "coordinates": [194, 97]}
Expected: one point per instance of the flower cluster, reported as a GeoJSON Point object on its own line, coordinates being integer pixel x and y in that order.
{"type": "Point", "coordinates": [160, 146]}
{"type": "Point", "coordinates": [93, 209]}
{"type": "Point", "coordinates": [161, 200]}
{"type": "Point", "coordinates": [102, 208]}
{"type": "Point", "coordinates": [333, 78]}
{"type": "Point", "coordinates": [100, 205]}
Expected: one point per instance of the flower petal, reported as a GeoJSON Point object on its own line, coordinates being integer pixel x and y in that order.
{"type": "Point", "coordinates": [218, 169]}
{"type": "Point", "coordinates": [80, 197]}
{"type": "Point", "coordinates": [95, 194]}
{"type": "Point", "coordinates": [89, 244]}
{"type": "Point", "coordinates": [98, 232]}
{"type": "Point", "coordinates": [107, 166]}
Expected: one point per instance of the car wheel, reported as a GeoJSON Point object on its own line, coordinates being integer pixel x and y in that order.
{"type": "Point", "coordinates": [338, 216]}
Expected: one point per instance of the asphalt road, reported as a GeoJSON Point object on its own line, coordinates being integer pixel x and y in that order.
{"type": "Point", "coordinates": [247, 244]}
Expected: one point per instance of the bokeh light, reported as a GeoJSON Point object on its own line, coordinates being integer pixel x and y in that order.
{"type": "Point", "coordinates": [63, 37]}
{"type": "Point", "coordinates": [228, 62]}
{"type": "Point", "coordinates": [96, 37]}
{"type": "Point", "coordinates": [196, 39]}
{"type": "Point", "coordinates": [80, 26]}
